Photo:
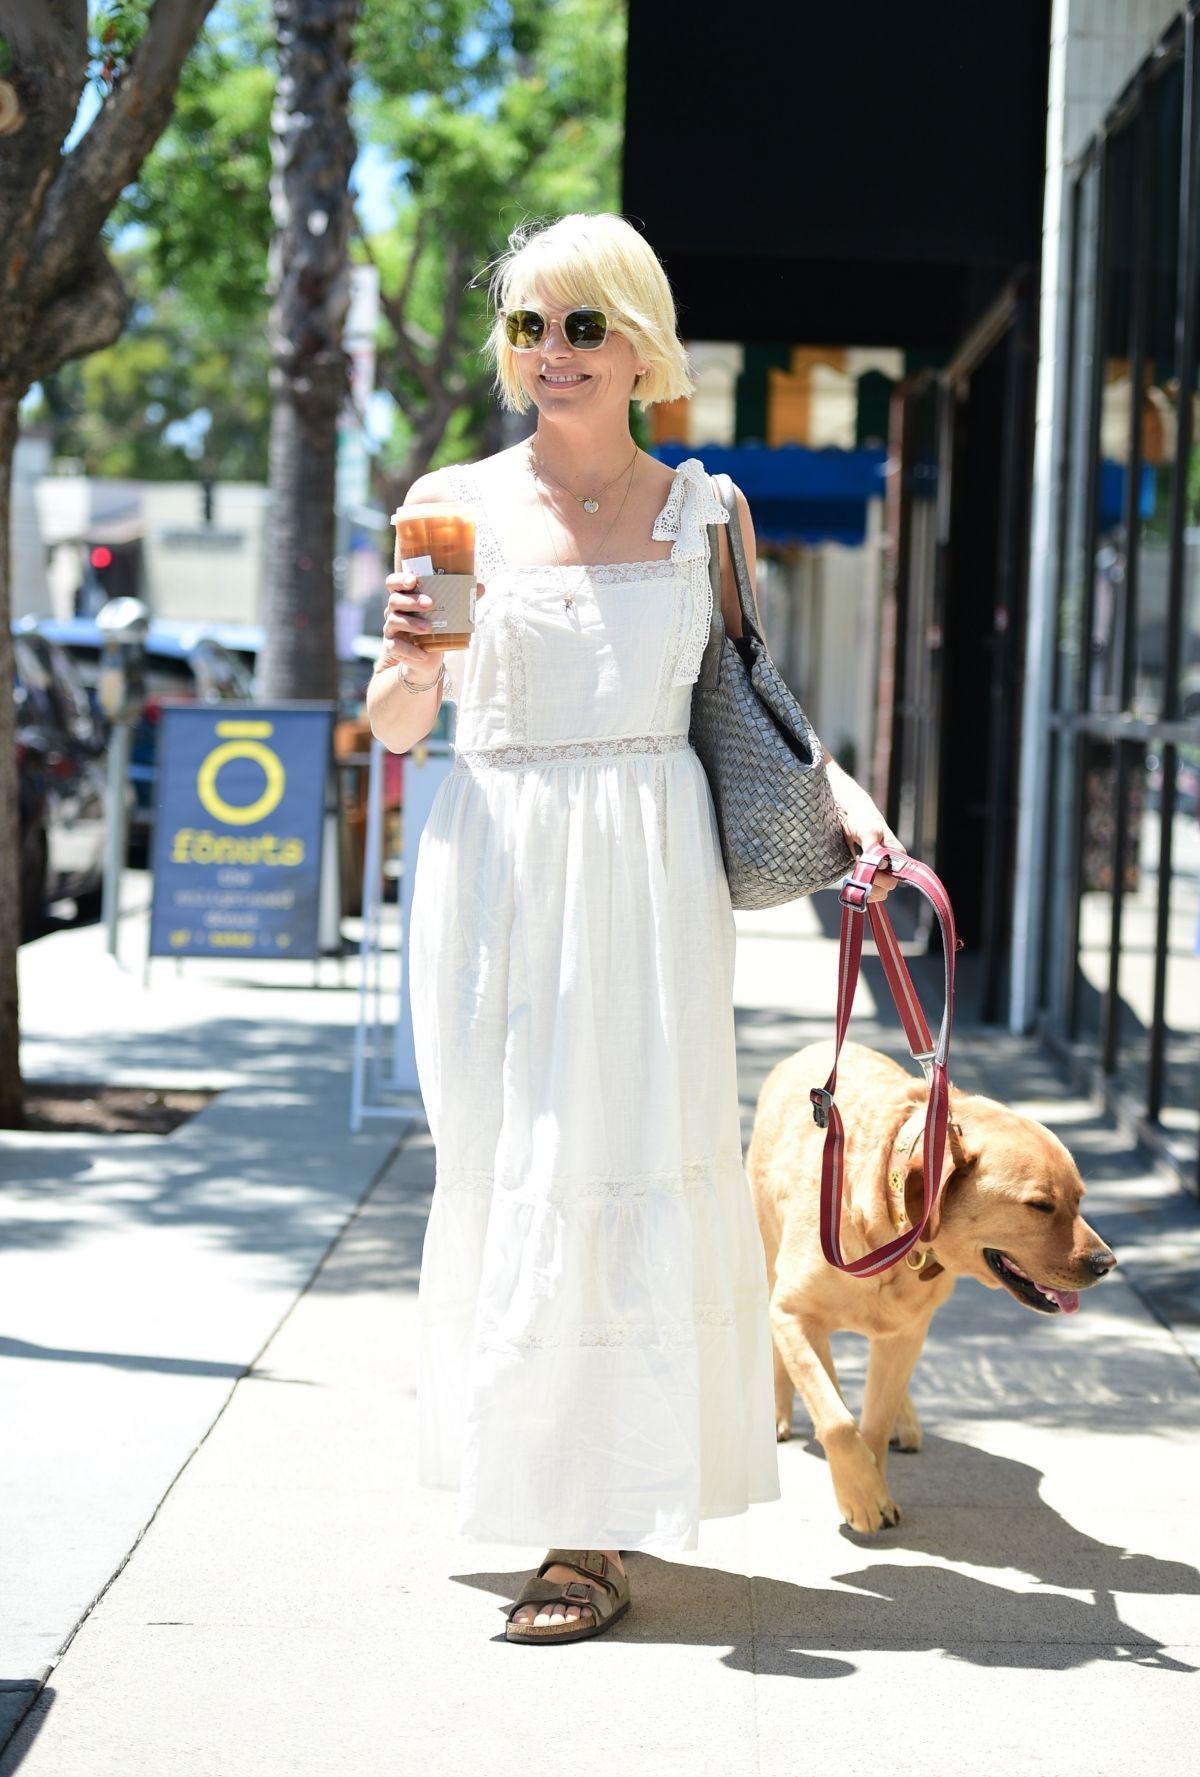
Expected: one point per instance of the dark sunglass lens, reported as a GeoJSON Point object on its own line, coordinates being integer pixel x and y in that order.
{"type": "Point", "coordinates": [524, 328]}
{"type": "Point", "coordinates": [585, 329]}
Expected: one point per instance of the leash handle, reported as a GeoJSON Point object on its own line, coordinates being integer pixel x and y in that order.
{"type": "Point", "coordinates": [934, 1057]}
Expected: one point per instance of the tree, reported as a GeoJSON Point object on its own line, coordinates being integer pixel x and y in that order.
{"type": "Point", "coordinates": [183, 392]}
{"type": "Point", "coordinates": [495, 114]}
{"type": "Point", "coordinates": [61, 297]}
{"type": "Point", "coordinates": [200, 213]}
{"type": "Point", "coordinates": [313, 151]}
{"type": "Point", "coordinates": [181, 395]}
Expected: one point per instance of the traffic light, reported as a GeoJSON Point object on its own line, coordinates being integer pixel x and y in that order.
{"type": "Point", "coordinates": [114, 570]}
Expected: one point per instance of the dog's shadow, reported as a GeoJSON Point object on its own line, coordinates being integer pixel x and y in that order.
{"type": "Point", "coordinates": [979, 1509]}
{"type": "Point", "coordinates": [975, 1509]}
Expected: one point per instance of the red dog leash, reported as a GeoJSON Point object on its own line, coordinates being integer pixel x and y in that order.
{"type": "Point", "coordinates": [933, 1057]}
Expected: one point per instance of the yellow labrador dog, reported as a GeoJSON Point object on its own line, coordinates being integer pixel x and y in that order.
{"type": "Point", "coordinates": [1007, 1215]}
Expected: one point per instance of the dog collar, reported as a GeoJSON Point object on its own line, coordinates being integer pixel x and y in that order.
{"type": "Point", "coordinates": [903, 1149]}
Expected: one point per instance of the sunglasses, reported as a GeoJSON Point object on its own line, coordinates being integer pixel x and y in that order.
{"type": "Point", "coordinates": [585, 330]}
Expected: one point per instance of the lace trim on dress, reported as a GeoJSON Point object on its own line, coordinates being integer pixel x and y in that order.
{"type": "Point", "coordinates": [691, 507]}
{"type": "Point", "coordinates": [694, 1175]}
{"type": "Point", "coordinates": [671, 1335]}
{"type": "Point", "coordinates": [605, 573]}
{"type": "Point", "coordinates": [489, 562]}
{"type": "Point", "coordinates": [512, 626]}
{"type": "Point", "coordinates": [568, 752]}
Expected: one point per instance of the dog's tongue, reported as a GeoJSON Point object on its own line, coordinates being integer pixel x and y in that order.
{"type": "Point", "coordinates": [1068, 1300]}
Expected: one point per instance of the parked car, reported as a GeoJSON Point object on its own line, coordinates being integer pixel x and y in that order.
{"type": "Point", "coordinates": [182, 662]}
{"type": "Point", "coordinates": [61, 744]}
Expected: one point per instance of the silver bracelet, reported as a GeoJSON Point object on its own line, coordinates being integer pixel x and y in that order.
{"type": "Point", "coordinates": [416, 690]}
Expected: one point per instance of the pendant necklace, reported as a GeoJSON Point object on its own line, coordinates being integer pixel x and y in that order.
{"type": "Point", "coordinates": [569, 595]}
{"type": "Point", "coordinates": [589, 502]}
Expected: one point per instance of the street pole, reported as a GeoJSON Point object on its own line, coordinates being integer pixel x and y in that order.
{"type": "Point", "coordinates": [123, 624]}
{"type": "Point", "coordinates": [116, 833]}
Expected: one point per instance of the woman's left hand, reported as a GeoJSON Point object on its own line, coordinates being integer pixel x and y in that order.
{"type": "Point", "coordinates": [864, 825]}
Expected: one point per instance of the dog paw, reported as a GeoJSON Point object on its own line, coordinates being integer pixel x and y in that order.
{"type": "Point", "coordinates": [783, 1430]}
{"type": "Point", "coordinates": [906, 1431]}
{"type": "Point", "coordinates": [862, 1494]}
{"type": "Point", "coordinates": [868, 1517]}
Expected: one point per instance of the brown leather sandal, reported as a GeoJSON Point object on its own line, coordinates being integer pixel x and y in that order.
{"type": "Point", "coordinates": [607, 1600]}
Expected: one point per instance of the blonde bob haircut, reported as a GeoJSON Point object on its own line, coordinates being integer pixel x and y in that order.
{"type": "Point", "coordinates": [590, 262]}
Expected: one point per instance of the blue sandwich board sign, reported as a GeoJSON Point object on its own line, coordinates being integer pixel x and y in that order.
{"type": "Point", "coordinates": [238, 828]}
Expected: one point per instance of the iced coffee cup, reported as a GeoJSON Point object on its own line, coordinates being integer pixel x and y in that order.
{"type": "Point", "coordinates": [437, 544]}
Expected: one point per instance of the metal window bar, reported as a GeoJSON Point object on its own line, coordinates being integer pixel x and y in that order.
{"type": "Point", "coordinates": [1071, 996]}
{"type": "Point", "coordinates": [1188, 292]}
{"type": "Point", "coordinates": [1110, 1027]}
{"type": "Point", "coordinates": [1052, 764]}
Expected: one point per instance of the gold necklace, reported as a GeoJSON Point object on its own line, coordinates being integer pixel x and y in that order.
{"type": "Point", "coordinates": [569, 595]}
{"type": "Point", "coordinates": [589, 502]}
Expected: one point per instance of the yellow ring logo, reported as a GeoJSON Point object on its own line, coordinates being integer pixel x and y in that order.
{"type": "Point", "coordinates": [272, 766]}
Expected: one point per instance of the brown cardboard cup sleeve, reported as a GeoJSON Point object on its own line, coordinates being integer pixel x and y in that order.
{"type": "Point", "coordinates": [452, 614]}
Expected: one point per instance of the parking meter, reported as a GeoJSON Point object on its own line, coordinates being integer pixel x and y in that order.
{"type": "Point", "coordinates": [123, 624]}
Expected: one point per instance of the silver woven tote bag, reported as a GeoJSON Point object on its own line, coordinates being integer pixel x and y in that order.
{"type": "Point", "coordinates": [781, 835]}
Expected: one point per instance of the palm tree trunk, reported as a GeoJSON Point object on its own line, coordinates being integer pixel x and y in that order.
{"type": "Point", "coordinates": [313, 152]}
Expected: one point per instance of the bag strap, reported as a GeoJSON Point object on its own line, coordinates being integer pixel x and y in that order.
{"type": "Point", "coordinates": [724, 489]}
{"type": "Point", "coordinates": [934, 1058]}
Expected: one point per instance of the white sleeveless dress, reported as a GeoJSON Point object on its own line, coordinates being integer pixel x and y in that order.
{"type": "Point", "coordinates": [595, 1360]}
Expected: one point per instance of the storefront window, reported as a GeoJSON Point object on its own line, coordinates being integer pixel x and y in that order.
{"type": "Point", "coordinates": [1121, 662]}
{"type": "Point", "coordinates": [1145, 679]}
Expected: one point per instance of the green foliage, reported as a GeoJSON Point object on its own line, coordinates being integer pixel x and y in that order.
{"type": "Point", "coordinates": [495, 113]}
{"type": "Point", "coordinates": [116, 31]}
{"type": "Point", "coordinates": [131, 411]}
{"type": "Point", "coordinates": [202, 205]}
{"type": "Point", "coordinates": [190, 238]}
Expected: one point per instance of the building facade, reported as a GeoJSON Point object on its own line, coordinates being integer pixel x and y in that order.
{"type": "Point", "coordinates": [1108, 885]}
{"type": "Point", "coordinates": [1009, 201]}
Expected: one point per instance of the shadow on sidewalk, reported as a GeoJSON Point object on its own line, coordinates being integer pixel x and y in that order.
{"type": "Point", "coordinates": [21, 1705]}
{"type": "Point", "coordinates": [258, 1170]}
{"type": "Point", "coordinates": [999, 1520]}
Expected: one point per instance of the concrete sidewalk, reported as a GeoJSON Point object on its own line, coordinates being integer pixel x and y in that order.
{"type": "Point", "coordinates": [140, 1276]}
{"type": "Point", "coordinates": [298, 1604]}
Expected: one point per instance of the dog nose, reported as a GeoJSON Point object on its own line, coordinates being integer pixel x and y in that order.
{"type": "Point", "coordinates": [1101, 1262]}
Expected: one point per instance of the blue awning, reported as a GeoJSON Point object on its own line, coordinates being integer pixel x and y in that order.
{"type": "Point", "coordinates": [796, 495]}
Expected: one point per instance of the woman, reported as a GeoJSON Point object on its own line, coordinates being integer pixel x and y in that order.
{"type": "Point", "coordinates": [595, 1364]}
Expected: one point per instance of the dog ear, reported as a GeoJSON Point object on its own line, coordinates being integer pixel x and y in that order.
{"type": "Point", "coordinates": [957, 1160]}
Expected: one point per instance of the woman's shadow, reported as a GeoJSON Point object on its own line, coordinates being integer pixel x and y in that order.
{"type": "Point", "coordinates": [1001, 1521]}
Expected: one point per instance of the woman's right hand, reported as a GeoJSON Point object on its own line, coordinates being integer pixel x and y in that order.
{"type": "Point", "coordinates": [407, 616]}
